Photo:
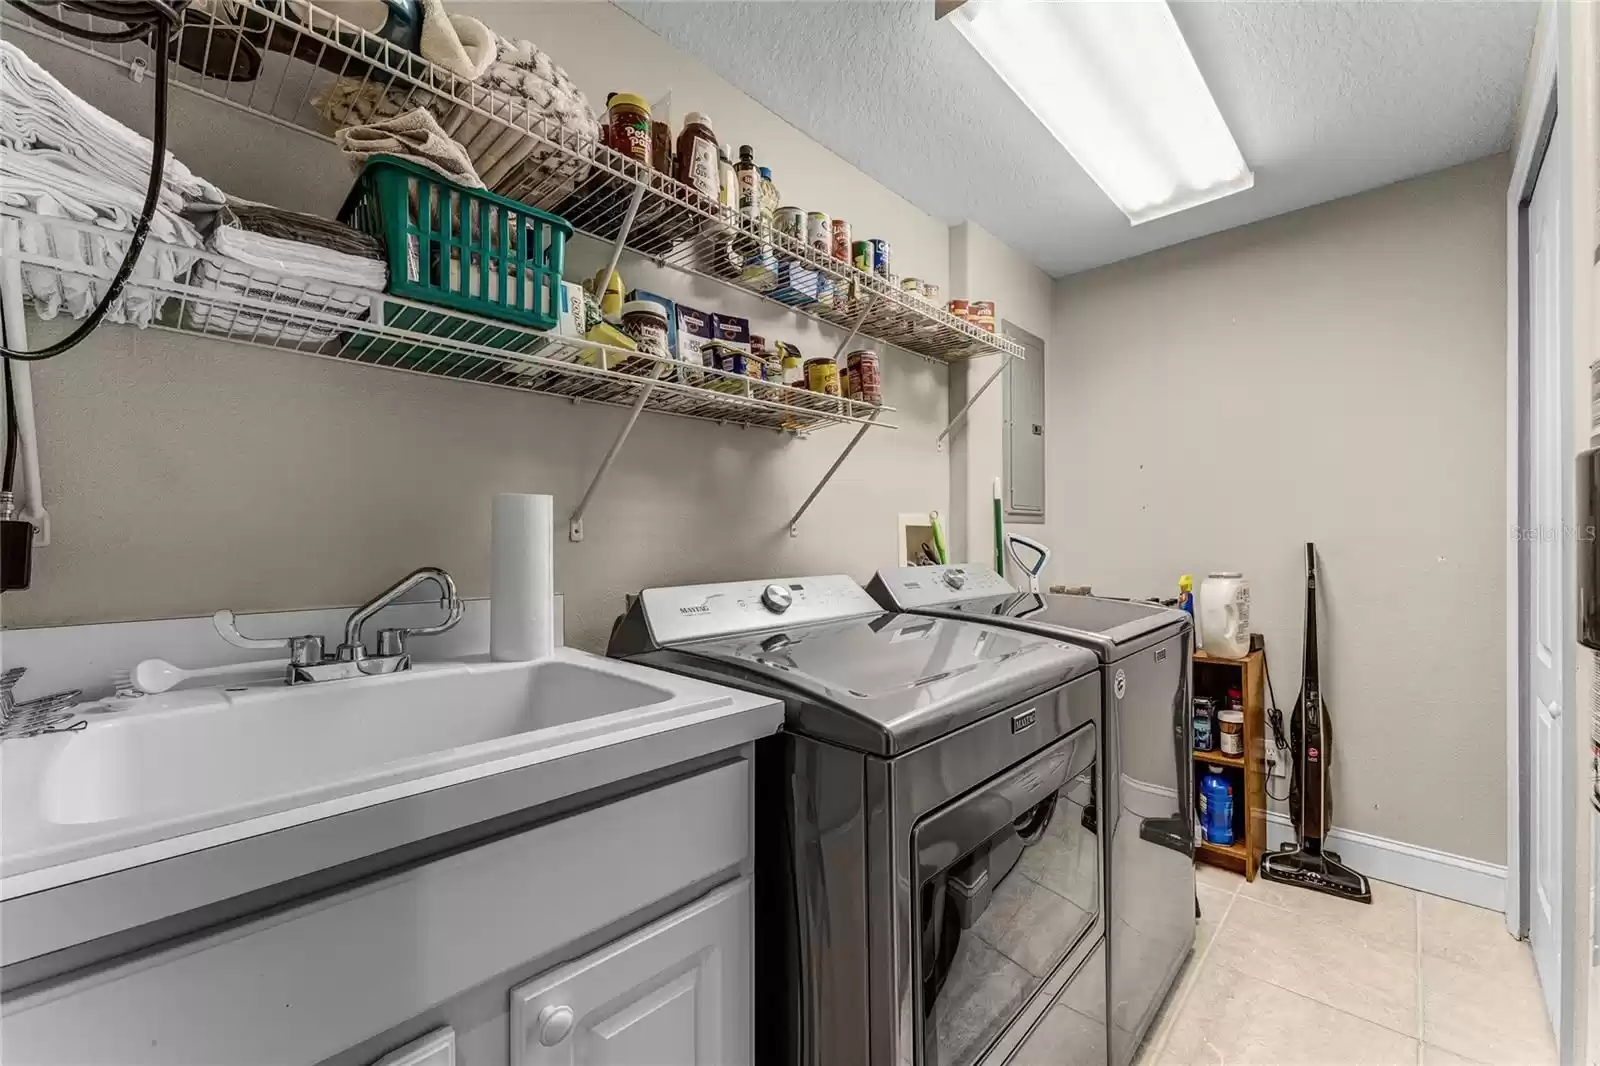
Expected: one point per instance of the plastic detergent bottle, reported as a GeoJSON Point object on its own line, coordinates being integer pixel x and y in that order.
{"type": "Point", "coordinates": [1216, 807]}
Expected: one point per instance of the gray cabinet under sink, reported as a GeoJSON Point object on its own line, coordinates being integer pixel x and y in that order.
{"type": "Point", "coordinates": [632, 914]}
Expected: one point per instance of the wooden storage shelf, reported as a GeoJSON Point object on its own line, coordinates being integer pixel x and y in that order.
{"type": "Point", "coordinates": [1216, 758]}
{"type": "Point", "coordinates": [1213, 676]}
{"type": "Point", "coordinates": [1236, 851]}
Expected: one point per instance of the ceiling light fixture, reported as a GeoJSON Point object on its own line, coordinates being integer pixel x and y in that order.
{"type": "Point", "coordinates": [1116, 85]}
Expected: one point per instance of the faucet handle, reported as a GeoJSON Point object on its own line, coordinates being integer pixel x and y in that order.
{"type": "Point", "coordinates": [304, 650]}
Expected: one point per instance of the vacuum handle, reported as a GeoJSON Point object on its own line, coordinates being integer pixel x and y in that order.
{"type": "Point", "coordinates": [1016, 540]}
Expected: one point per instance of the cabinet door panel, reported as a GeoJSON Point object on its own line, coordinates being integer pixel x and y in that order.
{"type": "Point", "coordinates": [676, 993]}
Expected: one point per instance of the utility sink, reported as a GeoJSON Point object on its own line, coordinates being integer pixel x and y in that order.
{"type": "Point", "coordinates": [186, 760]}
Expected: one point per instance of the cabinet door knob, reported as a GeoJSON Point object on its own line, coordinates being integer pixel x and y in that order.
{"type": "Point", "coordinates": [555, 1023]}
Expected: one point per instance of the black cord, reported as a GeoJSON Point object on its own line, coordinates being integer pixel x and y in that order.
{"type": "Point", "coordinates": [8, 476]}
{"type": "Point", "coordinates": [1275, 721]}
{"type": "Point", "coordinates": [157, 21]}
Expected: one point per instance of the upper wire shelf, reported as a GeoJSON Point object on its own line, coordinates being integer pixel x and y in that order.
{"type": "Point", "coordinates": [312, 69]}
{"type": "Point", "coordinates": [191, 291]}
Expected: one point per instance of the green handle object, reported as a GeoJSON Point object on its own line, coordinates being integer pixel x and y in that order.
{"type": "Point", "coordinates": [999, 537]}
{"type": "Point", "coordinates": [938, 538]}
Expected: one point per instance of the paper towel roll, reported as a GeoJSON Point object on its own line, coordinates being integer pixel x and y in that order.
{"type": "Point", "coordinates": [521, 578]}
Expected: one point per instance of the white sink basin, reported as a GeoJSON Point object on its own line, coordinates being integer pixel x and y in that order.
{"type": "Point", "coordinates": [283, 740]}
{"type": "Point", "coordinates": [190, 760]}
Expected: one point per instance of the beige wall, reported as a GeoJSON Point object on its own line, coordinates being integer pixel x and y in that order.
{"type": "Point", "coordinates": [186, 474]}
{"type": "Point", "coordinates": [1334, 375]}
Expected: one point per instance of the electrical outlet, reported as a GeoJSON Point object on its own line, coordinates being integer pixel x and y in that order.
{"type": "Point", "coordinates": [1276, 767]}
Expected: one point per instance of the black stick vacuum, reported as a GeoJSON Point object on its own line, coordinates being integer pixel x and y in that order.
{"type": "Point", "coordinates": [1306, 863]}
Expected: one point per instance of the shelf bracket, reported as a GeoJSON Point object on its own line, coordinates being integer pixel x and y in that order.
{"type": "Point", "coordinates": [794, 523]}
{"type": "Point", "coordinates": [601, 282]}
{"type": "Point", "coordinates": [861, 320]}
{"type": "Point", "coordinates": [575, 524]}
{"type": "Point", "coordinates": [961, 414]}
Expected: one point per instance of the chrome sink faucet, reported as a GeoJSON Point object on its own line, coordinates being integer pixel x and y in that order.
{"type": "Point", "coordinates": [307, 663]}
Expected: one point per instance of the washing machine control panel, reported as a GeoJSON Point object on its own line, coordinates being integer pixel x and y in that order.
{"type": "Point", "coordinates": [693, 612]}
{"type": "Point", "coordinates": [910, 587]}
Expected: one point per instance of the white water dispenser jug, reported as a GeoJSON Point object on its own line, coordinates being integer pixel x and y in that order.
{"type": "Point", "coordinates": [1225, 614]}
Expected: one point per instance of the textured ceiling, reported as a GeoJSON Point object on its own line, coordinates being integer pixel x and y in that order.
{"type": "Point", "coordinates": [1325, 99]}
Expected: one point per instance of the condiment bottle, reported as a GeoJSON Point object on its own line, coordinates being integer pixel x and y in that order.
{"type": "Point", "coordinates": [769, 197]}
{"type": "Point", "coordinates": [749, 183]}
{"type": "Point", "coordinates": [628, 126]}
{"type": "Point", "coordinates": [661, 147]}
{"type": "Point", "coordinates": [794, 374]}
{"type": "Point", "coordinates": [727, 184]}
{"type": "Point", "coordinates": [698, 151]}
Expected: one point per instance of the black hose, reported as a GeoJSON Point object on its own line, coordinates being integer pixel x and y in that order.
{"type": "Point", "coordinates": [159, 20]}
{"type": "Point", "coordinates": [8, 476]}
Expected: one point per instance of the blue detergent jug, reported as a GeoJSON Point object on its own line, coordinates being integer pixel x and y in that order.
{"type": "Point", "coordinates": [1216, 807]}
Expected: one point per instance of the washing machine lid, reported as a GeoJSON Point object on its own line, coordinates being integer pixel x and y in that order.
{"type": "Point", "coordinates": [886, 683]}
{"type": "Point", "coordinates": [1111, 628]}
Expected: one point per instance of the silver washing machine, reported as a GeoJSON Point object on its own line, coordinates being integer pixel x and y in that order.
{"type": "Point", "coordinates": [927, 880]}
{"type": "Point", "coordinates": [1144, 654]}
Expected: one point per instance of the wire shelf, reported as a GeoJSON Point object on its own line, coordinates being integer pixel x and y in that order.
{"type": "Point", "coordinates": [192, 291]}
{"type": "Point", "coordinates": [316, 72]}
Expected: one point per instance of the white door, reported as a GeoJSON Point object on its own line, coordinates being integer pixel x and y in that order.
{"type": "Point", "coordinates": [1547, 462]}
{"type": "Point", "coordinates": [677, 991]}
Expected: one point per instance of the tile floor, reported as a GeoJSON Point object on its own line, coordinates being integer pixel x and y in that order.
{"type": "Point", "coordinates": [1283, 976]}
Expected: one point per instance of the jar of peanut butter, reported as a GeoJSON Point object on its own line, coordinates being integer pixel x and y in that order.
{"type": "Point", "coordinates": [628, 126]}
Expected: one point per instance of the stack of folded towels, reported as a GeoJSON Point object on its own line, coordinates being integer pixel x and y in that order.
{"type": "Point", "coordinates": [85, 174]}
{"type": "Point", "coordinates": [321, 272]}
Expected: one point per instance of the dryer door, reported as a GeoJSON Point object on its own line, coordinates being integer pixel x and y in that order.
{"type": "Point", "coordinates": [1008, 883]}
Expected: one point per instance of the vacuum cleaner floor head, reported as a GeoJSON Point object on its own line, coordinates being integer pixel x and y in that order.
{"type": "Point", "coordinates": [1321, 873]}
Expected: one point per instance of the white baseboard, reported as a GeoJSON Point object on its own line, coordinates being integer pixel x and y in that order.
{"type": "Point", "coordinates": [1438, 873]}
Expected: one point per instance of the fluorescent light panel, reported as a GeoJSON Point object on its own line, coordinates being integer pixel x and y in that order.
{"type": "Point", "coordinates": [1115, 83]}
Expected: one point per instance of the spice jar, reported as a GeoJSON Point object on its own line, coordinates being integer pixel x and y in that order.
{"type": "Point", "coordinates": [628, 126]}
{"type": "Point", "coordinates": [1230, 731]}
{"type": "Point", "coordinates": [863, 364]}
{"type": "Point", "coordinates": [646, 322]}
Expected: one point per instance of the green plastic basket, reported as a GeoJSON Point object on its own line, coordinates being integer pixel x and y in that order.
{"type": "Point", "coordinates": [461, 248]}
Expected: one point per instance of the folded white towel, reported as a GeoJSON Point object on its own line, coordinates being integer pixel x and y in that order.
{"type": "Point", "coordinates": [296, 261]}
{"type": "Point", "coordinates": [36, 110]}
{"type": "Point", "coordinates": [332, 304]}
{"type": "Point", "coordinates": [301, 277]}
{"type": "Point", "coordinates": [90, 239]}
{"type": "Point", "coordinates": [458, 43]}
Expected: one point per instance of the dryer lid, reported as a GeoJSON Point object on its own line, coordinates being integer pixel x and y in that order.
{"type": "Point", "coordinates": [1112, 628]}
{"type": "Point", "coordinates": [886, 683]}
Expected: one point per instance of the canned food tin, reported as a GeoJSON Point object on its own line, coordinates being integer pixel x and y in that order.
{"type": "Point", "coordinates": [863, 364]}
{"type": "Point", "coordinates": [981, 314]}
{"type": "Point", "coordinates": [861, 255]}
{"type": "Point", "coordinates": [930, 292]}
{"type": "Point", "coordinates": [822, 375]}
{"type": "Point", "coordinates": [840, 230]}
{"type": "Point", "coordinates": [911, 285]}
{"type": "Point", "coordinates": [791, 222]}
{"type": "Point", "coordinates": [958, 308]}
{"type": "Point", "coordinates": [880, 257]}
{"type": "Point", "coordinates": [818, 232]}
